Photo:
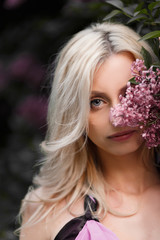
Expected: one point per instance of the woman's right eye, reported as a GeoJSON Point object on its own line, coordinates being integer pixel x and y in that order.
{"type": "Point", "coordinates": [96, 103]}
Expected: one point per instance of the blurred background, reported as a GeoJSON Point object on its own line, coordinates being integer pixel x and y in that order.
{"type": "Point", "coordinates": [31, 34]}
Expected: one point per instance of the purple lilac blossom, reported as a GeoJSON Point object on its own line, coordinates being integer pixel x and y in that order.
{"type": "Point", "coordinates": [141, 104]}
{"type": "Point", "coordinates": [28, 69]}
{"type": "Point", "coordinates": [9, 4]}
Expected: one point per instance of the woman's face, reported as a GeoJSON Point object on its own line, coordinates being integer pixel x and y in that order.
{"type": "Point", "coordinates": [109, 82]}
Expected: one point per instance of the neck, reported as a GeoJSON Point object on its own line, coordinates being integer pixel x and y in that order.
{"type": "Point", "coordinates": [128, 173]}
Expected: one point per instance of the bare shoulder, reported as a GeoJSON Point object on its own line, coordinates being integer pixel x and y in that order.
{"type": "Point", "coordinates": [49, 226]}
{"type": "Point", "coordinates": [55, 225]}
{"type": "Point", "coordinates": [31, 205]}
{"type": "Point", "coordinates": [31, 202]}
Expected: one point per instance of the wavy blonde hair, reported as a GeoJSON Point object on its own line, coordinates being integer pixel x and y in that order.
{"type": "Point", "coordinates": [70, 168]}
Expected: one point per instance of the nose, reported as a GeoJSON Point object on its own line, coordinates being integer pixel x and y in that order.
{"type": "Point", "coordinates": [115, 102]}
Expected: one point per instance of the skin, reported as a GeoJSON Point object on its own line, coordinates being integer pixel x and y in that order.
{"type": "Point", "coordinates": [122, 166]}
{"type": "Point", "coordinates": [109, 82]}
{"type": "Point", "coordinates": [138, 187]}
{"type": "Point", "coordinates": [116, 157]}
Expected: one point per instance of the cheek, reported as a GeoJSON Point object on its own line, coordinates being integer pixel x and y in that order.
{"type": "Point", "coordinates": [139, 138]}
{"type": "Point", "coordinates": [97, 126]}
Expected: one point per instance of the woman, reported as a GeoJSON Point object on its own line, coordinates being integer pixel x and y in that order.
{"type": "Point", "coordinates": [97, 181]}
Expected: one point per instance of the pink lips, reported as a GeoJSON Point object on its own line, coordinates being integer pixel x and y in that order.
{"type": "Point", "coordinates": [121, 136]}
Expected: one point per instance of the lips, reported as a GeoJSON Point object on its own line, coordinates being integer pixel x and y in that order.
{"type": "Point", "coordinates": [120, 136]}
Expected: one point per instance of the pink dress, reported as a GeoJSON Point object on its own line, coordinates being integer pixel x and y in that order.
{"type": "Point", "coordinates": [93, 230]}
{"type": "Point", "coordinates": [86, 227]}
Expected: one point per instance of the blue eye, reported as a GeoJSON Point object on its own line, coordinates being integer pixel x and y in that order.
{"type": "Point", "coordinates": [95, 103]}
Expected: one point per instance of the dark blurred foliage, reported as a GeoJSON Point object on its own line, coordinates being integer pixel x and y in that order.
{"type": "Point", "coordinates": [31, 34]}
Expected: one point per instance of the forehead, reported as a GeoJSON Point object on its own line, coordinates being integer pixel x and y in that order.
{"type": "Point", "coordinates": [114, 73]}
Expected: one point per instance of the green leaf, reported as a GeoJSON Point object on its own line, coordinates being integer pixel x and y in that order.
{"type": "Point", "coordinates": [142, 11]}
{"type": "Point", "coordinates": [154, 43]}
{"type": "Point", "coordinates": [136, 18]}
{"type": "Point", "coordinates": [133, 81]}
{"type": "Point", "coordinates": [147, 57]}
{"type": "Point", "coordinates": [115, 3]}
{"type": "Point", "coordinates": [156, 65]}
{"type": "Point", "coordinates": [156, 14]}
{"type": "Point", "coordinates": [153, 34]}
{"type": "Point", "coordinates": [136, 13]}
{"type": "Point", "coordinates": [139, 27]}
{"type": "Point", "coordinates": [112, 14]}
{"type": "Point", "coordinates": [128, 10]}
{"type": "Point", "coordinates": [153, 5]}
{"type": "Point", "coordinates": [139, 7]}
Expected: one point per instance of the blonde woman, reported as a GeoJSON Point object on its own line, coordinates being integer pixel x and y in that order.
{"type": "Point", "coordinates": [96, 181]}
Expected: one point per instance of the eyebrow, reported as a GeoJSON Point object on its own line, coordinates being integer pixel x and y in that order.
{"type": "Point", "coordinates": [103, 94]}
{"type": "Point", "coordinates": [97, 93]}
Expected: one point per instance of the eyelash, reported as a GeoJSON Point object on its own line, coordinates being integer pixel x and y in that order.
{"type": "Point", "coordinates": [93, 101]}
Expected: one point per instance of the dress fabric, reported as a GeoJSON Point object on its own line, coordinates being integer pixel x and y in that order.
{"type": "Point", "coordinates": [86, 227]}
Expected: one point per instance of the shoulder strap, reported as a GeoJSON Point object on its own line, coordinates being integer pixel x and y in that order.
{"type": "Point", "coordinates": [90, 205]}
{"type": "Point", "coordinates": [71, 229]}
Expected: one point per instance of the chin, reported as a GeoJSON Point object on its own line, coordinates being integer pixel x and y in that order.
{"type": "Point", "coordinates": [125, 149]}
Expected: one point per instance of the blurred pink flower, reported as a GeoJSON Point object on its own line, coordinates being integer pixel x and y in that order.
{"type": "Point", "coordinates": [141, 104]}
{"type": "Point", "coordinates": [28, 69]}
{"type": "Point", "coordinates": [9, 4]}
{"type": "Point", "coordinates": [34, 110]}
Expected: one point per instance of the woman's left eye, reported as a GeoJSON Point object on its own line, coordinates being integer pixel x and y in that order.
{"type": "Point", "coordinates": [96, 103]}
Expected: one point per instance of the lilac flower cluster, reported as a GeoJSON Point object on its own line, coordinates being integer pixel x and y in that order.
{"type": "Point", "coordinates": [141, 104]}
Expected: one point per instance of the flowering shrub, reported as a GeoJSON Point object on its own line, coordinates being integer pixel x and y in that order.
{"type": "Point", "coordinates": [34, 110]}
{"type": "Point", "coordinates": [27, 69]}
{"type": "Point", "coordinates": [141, 104]}
{"type": "Point", "coordinates": [8, 4]}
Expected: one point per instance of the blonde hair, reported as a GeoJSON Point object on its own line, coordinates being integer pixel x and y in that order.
{"type": "Point", "coordinates": [69, 169]}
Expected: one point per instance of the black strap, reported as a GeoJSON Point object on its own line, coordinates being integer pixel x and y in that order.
{"type": "Point", "coordinates": [90, 205]}
{"type": "Point", "coordinates": [74, 226]}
